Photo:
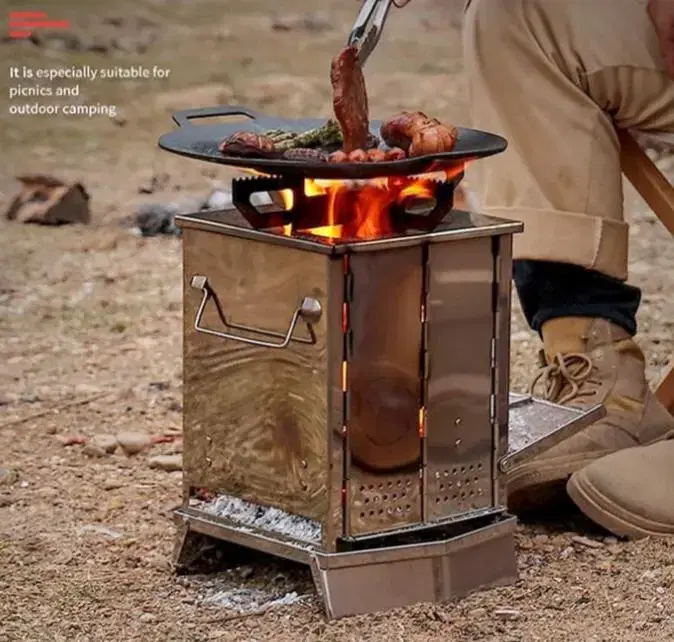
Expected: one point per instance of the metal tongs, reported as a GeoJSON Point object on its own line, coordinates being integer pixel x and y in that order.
{"type": "Point", "coordinates": [368, 27]}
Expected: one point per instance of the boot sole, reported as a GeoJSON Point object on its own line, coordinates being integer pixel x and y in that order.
{"type": "Point", "coordinates": [601, 510]}
{"type": "Point", "coordinates": [545, 485]}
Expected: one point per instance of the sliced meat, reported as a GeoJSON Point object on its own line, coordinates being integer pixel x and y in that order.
{"type": "Point", "coordinates": [248, 144]}
{"type": "Point", "coordinates": [350, 99]}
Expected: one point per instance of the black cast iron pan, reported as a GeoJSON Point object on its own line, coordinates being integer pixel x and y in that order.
{"type": "Point", "coordinates": [201, 142]}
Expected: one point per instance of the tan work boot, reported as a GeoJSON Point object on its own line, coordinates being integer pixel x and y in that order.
{"type": "Point", "coordinates": [588, 362]}
{"type": "Point", "coordinates": [629, 492]}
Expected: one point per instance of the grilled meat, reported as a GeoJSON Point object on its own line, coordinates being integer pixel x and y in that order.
{"type": "Point", "coordinates": [350, 99]}
{"type": "Point", "coordinates": [418, 134]}
{"type": "Point", "coordinates": [338, 157]}
{"type": "Point", "coordinates": [248, 144]}
{"type": "Point", "coordinates": [395, 153]}
{"type": "Point", "coordinates": [376, 155]}
{"type": "Point", "coordinates": [358, 156]}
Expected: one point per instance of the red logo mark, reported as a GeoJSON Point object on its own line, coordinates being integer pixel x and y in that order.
{"type": "Point", "coordinates": [23, 23]}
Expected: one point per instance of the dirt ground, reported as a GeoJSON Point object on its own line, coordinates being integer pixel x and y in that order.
{"type": "Point", "coordinates": [90, 344]}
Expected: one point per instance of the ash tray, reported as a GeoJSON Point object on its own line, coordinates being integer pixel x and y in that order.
{"type": "Point", "coordinates": [536, 425]}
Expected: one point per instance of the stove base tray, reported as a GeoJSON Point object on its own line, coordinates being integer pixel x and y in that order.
{"type": "Point", "coordinates": [374, 579]}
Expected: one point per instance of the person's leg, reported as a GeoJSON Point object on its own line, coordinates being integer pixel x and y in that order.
{"type": "Point", "coordinates": [556, 77]}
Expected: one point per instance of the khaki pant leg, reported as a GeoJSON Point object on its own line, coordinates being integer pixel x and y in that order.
{"type": "Point", "coordinates": [554, 77]}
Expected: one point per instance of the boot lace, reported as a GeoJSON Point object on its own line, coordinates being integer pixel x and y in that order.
{"type": "Point", "coordinates": [565, 378]}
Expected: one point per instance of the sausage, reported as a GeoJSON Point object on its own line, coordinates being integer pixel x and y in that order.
{"type": "Point", "coordinates": [395, 153]}
{"type": "Point", "coordinates": [350, 99]}
{"type": "Point", "coordinates": [338, 157]}
{"type": "Point", "coordinates": [358, 156]}
{"type": "Point", "coordinates": [376, 155]}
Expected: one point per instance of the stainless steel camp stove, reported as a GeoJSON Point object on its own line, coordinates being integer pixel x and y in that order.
{"type": "Point", "coordinates": [346, 389]}
{"type": "Point", "coordinates": [346, 357]}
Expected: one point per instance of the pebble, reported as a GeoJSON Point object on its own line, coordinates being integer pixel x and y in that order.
{"type": "Point", "coordinates": [94, 451]}
{"type": "Point", "coordinates": [567, 552]}
{"type": "Point", "coordinates": [133, 443]}
{"type": "Point", "coordinates": [584, 541]}
{"type": "Point", "coordinates": [112, 484]}
{"type": "Point", "coordinates": [148, 618]}
{"type": "Point", "coordinates": [7, 477]}
{"type": "Point", "coordinates": [168, 463]}
{"type": "Point", "coordinates": [107, 443]}
{"type": "Point", "coordinates": [507, 614]}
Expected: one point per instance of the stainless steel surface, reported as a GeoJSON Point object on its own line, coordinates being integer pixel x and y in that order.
{"type": "Point", "coordinates": [382, 579]}
{"type": "Point", "coordinates": [333, 524]}
{"type": "Point", "coordinates": [254, 417]}
{"type": "Point", "coordinates": [503, 305]}
{"type": "Point", "coordinates": [381, 426]}
{"type": "Point", "coordinates": [459, 432]}
{"type": "Point", "coordinates": [535, 425]}
{"type": "Point", "coordinates": [384, 296]}
{"type": "Point", "coordinates": [458, 225]}
{"type": "Point", "coordinates": [368, 27]}
{"type": "Point", "coordinates": [309, 311]}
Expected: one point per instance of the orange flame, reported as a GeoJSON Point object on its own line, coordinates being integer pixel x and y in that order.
{"type": "Point", "coordinates": [361, 209]}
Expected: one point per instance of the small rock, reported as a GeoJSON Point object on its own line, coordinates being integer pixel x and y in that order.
{"type": "Point", "coordinates": [245, 572]}
{"type": "Point", "coordinates": [112, 484]}
{"type": "Point", "coordinates": [99, 529]}
{"type": "Point", "coordinates": [584, 541]}
{"type": "Point", "coordinates": [169, 463]}
{"type": "Point", "coordinates": [94, 451]}
{"type": "Point", "coordinates": [8, 476]}
{"type": "Point", "coordinates": [148, 618]}
{"type": "Point", "coordinates": [315, 23]}
{"type": "Point", "coordinates": [175, 448]}
{"type": "Point", "coordinates": [119, 119]}
{"type": "Point", "coordinates": [107, 443]}
{"type": "Point", "coordinates": [132, 442]}
{"type": "Point", "coordinates": [71, 440]}
{"type": "Point", "coordinates": [476, 613]}
{"type": "Point", "coordinates": [157, 183]}
{"type": "Point", "coordinates": [507, 614]}
{"type": "Point", "coordinates": [567, 552]}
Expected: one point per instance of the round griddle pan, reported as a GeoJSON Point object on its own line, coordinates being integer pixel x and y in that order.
{"type": "Point", "coordinates": [201, 142]}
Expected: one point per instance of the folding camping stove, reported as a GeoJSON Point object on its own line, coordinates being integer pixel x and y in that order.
{"type": "Point", "coordinates": [346, 388]}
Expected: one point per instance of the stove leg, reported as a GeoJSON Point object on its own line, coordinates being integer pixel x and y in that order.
{"type": "Point", "coordinates": [373, 580]}
{"type": "Point", "coordinates": [198, 553]}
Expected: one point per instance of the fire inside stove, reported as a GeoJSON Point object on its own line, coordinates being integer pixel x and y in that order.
{"type": "Point", "coordinates": [355, 210]}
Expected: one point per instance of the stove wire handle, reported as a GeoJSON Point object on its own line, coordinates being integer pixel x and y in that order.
{"type": "Point", "coordinates": [369, 25]}
{"type": "Point", "coordinates": [309, 311]}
